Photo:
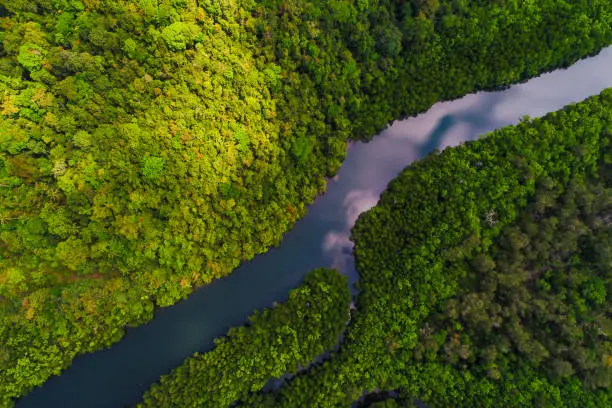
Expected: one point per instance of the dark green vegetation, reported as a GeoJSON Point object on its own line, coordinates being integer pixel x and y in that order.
{"type": "Point", "coordinates": [147, 147]}
{"type": "Point", "coordinates": [538, 296]}
{"type": "Point", "coordinates": [277, 341]}
{"type": "Point", "coordinates": [486, 274]}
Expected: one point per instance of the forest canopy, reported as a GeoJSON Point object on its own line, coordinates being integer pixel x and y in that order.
{"type": "Point", "coordinates": [148, 147]}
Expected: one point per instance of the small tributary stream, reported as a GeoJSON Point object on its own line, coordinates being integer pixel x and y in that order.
{"type": "Point", "coordinates": [118, 376]}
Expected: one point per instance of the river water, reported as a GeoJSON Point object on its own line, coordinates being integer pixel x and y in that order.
{"type": "Point", "coordinates": [118, 376]}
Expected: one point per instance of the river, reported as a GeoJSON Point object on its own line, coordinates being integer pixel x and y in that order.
{"type": "Point", "coordinates": [118, 376]}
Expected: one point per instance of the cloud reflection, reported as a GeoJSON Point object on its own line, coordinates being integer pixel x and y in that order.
{"type": "Point", "coordinates": [419, 128]}
{"type": "Point", "coordinates": [554, 90]}
{"type": "Point", "coordinates": [458, 133]}
{"type": "Point", "coordinates": [339, 248]}
{"type": "Point", "coordinates": [356, 202]}
{"type": "Point", "coordinates": [337, 244]}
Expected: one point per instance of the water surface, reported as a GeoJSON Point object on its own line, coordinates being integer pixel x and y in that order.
{"type": "Point", "coordinates": [118, 376]}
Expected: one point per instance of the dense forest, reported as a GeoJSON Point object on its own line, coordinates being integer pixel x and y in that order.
{"type": "Point", "coordinates": [485, 275]}
{"type": "Point", "coordinates": [276, 342]}
{"type": "Point", "coordinates": [148, 147]}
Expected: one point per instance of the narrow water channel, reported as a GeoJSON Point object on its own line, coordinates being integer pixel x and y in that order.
{"type": "Point", "coordinates": [118, 376]}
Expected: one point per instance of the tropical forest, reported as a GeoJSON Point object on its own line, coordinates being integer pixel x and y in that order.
{"type": "Point", "coordinates": [305, 203]}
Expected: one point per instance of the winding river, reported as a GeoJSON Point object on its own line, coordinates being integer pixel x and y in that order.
{"type": "Point", "coordinates": [117, 376]}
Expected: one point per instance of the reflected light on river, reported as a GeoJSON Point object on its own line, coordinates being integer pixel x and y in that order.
{"type": "Point", "coordinates": [337, 244]}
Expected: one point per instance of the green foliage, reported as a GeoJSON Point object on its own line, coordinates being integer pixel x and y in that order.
{"type": "Point", "coordinates": [72, 252]}
{"type": "Point", "coordinates": [30, 57]}
{"type": "Point", "coordinates": [301, 149]}
{"type": "Point", "coordinates": [152, 167]}
{"type": "Point", "coordinates": [82, 139]}
{"type": "Point", "coordinates": [179, 35]}
{"type": "Point", "coordinates": [277, 341]}
{"type": "Point", "coordinates": [485, 275]}
{"type": "Point", "coordinates": [532, 308]}
{"type": "Point", "coordinates": [129, 46]}
{"type": "Point", "coordinates": [162, 143]}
